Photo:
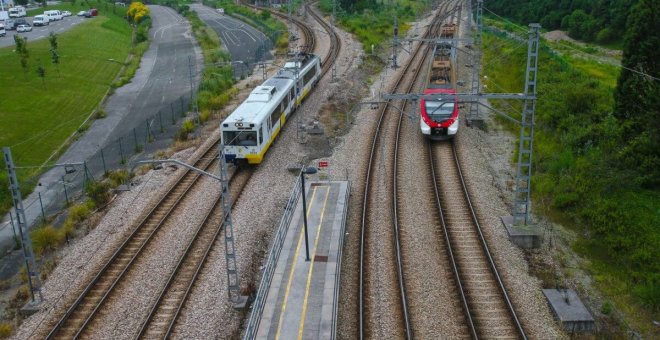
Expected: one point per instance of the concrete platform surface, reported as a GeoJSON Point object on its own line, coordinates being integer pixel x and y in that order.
{"type": "Point", "coordinates": [302, 298]}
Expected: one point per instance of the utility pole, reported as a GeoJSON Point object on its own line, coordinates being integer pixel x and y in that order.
{"type": "Point", "coordinates": [334, 23]}
{"type": "Point", "coordinates": [395, 43]}
{"type": "Point", "coordinates": [473, 116]}
{"type": "Point", "coordinates": [26, 242]}
{"type": "Point", "coordinates": [233, 283]}
{"type": "Point", "coordinates": [522, 203]}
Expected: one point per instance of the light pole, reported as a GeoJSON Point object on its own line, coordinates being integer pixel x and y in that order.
{"type": "Point", "coordinates": [310, 170]}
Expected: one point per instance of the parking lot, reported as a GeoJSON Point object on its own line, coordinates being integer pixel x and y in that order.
{"type": "Point", "coordinates": [40, 32]}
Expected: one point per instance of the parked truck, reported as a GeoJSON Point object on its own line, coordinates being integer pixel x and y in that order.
{"type": "Point", "coordinates": [17, 12]}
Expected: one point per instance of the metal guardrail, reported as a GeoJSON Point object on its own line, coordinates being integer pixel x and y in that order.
{"type": "Point", "coordinates": [269, 269]}
{"type": "Point", "coordinates": [335, 305]}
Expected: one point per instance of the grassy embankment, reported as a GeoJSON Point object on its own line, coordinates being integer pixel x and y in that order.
{"type": "Point", "coordinates": [37, 116]}
{"type": "Point", "coordinates": [617, 221]}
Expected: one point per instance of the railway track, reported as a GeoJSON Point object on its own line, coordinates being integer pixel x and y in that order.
{"type": "Point", "coordinates": [423, 253]}
{"type": "Point", "coordinates": [489, 311]}
{"type": "Point", "coordinates": [161, 321]}
{"type": "Point", "coordinates": [335, 41]}
{"type": "Point", "coordinates": [379, 281]}
{"type": "Point", "coordinates": [308, 34]}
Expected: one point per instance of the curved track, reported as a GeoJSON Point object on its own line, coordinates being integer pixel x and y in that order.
{"type": "Point", "coordinates": [308, 33]}
{"type": "Point", "coordinates": [490, 312]}
{"type": "Point", "coordinates": [335, 42]}
{"type": "Point", "coordinates": [91, 300]}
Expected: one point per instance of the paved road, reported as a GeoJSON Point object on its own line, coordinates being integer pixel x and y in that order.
{"type": "Point", "coordinates": [163, 77]}
{"type": "Point", "coordinates": [41, 32]}
{"type": "Point", "coordinates": [244, 42]}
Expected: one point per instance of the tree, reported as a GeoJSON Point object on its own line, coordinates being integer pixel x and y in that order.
{"type": "Point", "coordinates": [54, 56]}
{"type": "Point", "coordinates": [637, 96]}
{"type": "Point", "coordinates": [21, 49]}
{"type": "Point", "coordinates": [41, 72]}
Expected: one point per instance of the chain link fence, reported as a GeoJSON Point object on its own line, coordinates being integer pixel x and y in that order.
{"type": "Point", "coordinates": [65, 183]}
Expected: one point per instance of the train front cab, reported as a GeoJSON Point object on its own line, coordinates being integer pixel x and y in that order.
{"type": "Point", "coordinates": [243, 146]}
{"type": "Point", "coordinates": [439, 120]}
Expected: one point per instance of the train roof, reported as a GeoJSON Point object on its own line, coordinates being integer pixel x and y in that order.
{"type": "Point", "coordinates": [266, 96]}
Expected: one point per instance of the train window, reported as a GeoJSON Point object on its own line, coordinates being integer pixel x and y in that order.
{"type": "Point", "coordinates": [240, 138]}
{"type": "Point", "coordinates": [438, 111]}
{"type": "Point", "coordinates": [308, 76]}
{"type": "Point", "coordinates": [274, 117]}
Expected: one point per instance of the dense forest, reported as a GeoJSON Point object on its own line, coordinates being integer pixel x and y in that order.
{"type": "Point", "coordinates": [602, 21]}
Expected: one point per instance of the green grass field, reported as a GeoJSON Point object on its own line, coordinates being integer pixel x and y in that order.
{"type": "Point", "coordinates": [36, 116]}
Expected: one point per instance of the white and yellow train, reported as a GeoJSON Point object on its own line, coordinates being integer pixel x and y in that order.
{"type": "Point", "coordinates": [251, 129]}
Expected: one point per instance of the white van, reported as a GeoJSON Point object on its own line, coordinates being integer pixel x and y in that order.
{"type": "Point", "coordinates": [2, 30]}
{"type": "Point", "coordinates": [53, 15]}
{"type": "Point", "coordinates": [40, 20]}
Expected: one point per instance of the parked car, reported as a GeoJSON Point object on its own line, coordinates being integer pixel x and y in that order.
{"type": "Point", "coordinates": [81, 13]}
{"type": "Point", "coordinates": [53, 15]}
{"type": "Point", "coordinates": [23, 28]}
{"type": "Point", "coordinates": [94, 11]}
{"type": "Point", "coordinates": [221, 10]}
{"type": "Point", "coordinates": [40, 20]}
{"type": "Point", "coordinates": [2, 30]}
{"type": "Point", "coordinates": [66, 14]}
{"type": "Point", "coordinates": [88, 14]}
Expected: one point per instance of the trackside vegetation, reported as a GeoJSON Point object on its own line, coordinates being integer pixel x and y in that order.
{"type": "Point", "coordinates": [581, 178]}
{"type": "Point", "coordinates": [372, 22]}
{"type": "Point", "coordinates": [38, 114]}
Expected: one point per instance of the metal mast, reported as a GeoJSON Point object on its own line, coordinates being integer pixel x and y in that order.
{"type": "Point", "coordinates": [26, 241]}
{"type": "Point", "coordinates": [233, 283]}
{"type": "Point", "coordinates": [473, 114]}
{"type": "Point", "coordinates": [522, 202]}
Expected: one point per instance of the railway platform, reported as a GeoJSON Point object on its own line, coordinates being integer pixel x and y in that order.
{"type": "Point", "coordinates": [301, 302]}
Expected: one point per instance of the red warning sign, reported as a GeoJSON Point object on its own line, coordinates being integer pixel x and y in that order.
{"type": "Point", "coordinates": [323, 164]}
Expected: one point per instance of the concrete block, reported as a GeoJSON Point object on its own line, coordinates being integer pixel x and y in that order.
{"type": "Point", "coordinates": [569, 310]}
{"type": "Point", "coordinates": [527, 237]}
{"type": "Point", "coordinates": [477, 123]}
{"type": "Point", "coordinates": [31, 308]}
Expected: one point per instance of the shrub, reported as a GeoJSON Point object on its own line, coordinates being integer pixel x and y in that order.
{"type": "Point", "coordinates": [45, 238]}
{"type": "Point", "coordinates": [98, 192]}
{"type": "Point", "coordinates": [118, 177]}
{"type": "Point", "coordinates": [100, 114]}
{"type": "Point", "coordinates": [79, 212]}
{"type": "Point", "coordinates": [187, 127]}
{"type": "Point", "coordinates": [5, 330]}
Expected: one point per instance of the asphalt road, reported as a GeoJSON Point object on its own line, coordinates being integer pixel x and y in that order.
{"type": "Point", "coordinates": [163, 77]}
{"type": "Point", "coordinates": [40, 32]}
{"type": "Point", "coordinates": [245, 43]}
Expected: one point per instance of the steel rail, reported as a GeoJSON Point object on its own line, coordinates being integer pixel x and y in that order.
{"type": "Point", "coordinates": [365, 203]}
{"type": "Point", "coordinates": [187, 261]}
{"type": "Point", "coordinates": [484, 246]}
{"type": "Point", "coordinates": [164, 207]}
{"type": "Point", "coordinates": [335, 42]}
{"type": "Point", "coordinates": [450, 252]}
{"type": "Point", "coordinates": [310, 40]}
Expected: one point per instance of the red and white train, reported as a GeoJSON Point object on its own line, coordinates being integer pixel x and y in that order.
{"type": "Point", "coordinates": [439, 119]}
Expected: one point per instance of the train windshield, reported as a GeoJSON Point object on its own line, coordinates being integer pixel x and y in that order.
{"type": "Point", "coordinates": [239, 138]}
{"type": "Point", "coordinates": [439, 111]}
